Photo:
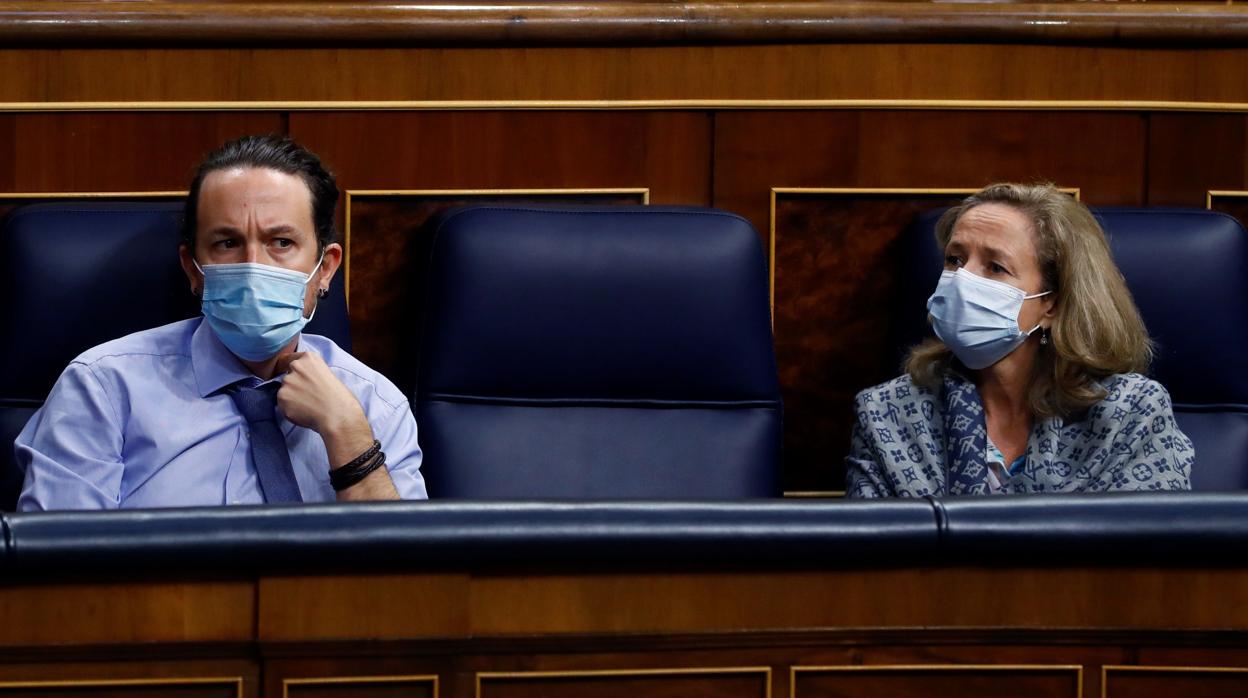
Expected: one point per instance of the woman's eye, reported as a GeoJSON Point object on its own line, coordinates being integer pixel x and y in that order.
{"type": "Point", "coordinates": [998, 269]}
{"type": "Point", "coordinates": [953, 261]}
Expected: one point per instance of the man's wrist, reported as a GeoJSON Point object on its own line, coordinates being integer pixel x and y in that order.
{"type": "Point", "coordinates": [346, 439]}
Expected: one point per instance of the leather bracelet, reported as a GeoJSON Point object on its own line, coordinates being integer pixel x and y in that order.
{"type": "Point", "coordinates": [349, 476]}
{"type": "Point", "coordinates": [363, 458]}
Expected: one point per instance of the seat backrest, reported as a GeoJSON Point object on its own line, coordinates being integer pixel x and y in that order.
{"type": "Point", "coordinates": [598, 353]}
{"type": "Point", "coordinates": [74, 275]}
{"type": "Point", "coordinates": [1187, 270]}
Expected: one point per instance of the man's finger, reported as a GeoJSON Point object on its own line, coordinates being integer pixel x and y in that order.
{"type": "Point", "coordinates": [283, 362]}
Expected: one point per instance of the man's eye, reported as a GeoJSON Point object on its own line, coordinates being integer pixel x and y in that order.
{"type": "Point", "coordinates": [225, 244]}
{"type": "Point", "coordinates": [283, 242]}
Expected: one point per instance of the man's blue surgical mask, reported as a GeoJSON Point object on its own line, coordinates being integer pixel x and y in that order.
{"type": "Point", "coordinates": [977, 318]}
{"type": "Point", "coordinates": [255, 309]}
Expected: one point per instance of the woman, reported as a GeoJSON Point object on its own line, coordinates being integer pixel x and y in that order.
{"type": "Point", "coordinates": [1032, 383]}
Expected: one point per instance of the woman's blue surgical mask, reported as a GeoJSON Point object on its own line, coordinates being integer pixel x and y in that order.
{"type": "Point", "coordinates": [255, 309]}
{"type": "Point", "coordinates": [977, 318]}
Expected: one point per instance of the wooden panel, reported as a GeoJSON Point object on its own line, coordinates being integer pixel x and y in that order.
{"type": "Point", "coordinates": [712, 683]}
{"type": "Point", "coordinates": [1100, 153]}
{"type": "Point", "coordinates": [173, 688]}
{"type": "Point", "coordinates": [666, 152]}
{"type": "Point", "coordinates": [385, 606]}
{"type": "Point", "coordinates": [936, 682]}
{"type": "Point", "coordinates": [834, 263]}
{"type": "Point", "coordinates": [1167, 682]}
{"type": "Point", "coordinates": [388, 247]}
{"type": "Point", "coordinates": [74, 614]}
{"type": "Point", "coordinates": [951, 597]}
{"type": "Point", "coordinates": [835, 274]}
{"type": "Point", "coordinates": [786, 72]}
{"type": "Point", "coordinates": [117, 151]}
{"type": "Point", "coordinates": [362, 687]}
{"type": "Point", "coordinates": [1190, 154]}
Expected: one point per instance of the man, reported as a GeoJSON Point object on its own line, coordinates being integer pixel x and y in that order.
{"type": "Point", "coordinates": [237, 406]}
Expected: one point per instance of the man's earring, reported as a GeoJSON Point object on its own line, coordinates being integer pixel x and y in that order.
{"type": "Point", "coordinates": [322, 293]}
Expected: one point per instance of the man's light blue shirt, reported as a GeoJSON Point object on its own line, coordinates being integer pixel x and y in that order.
{"type": "Point", "coordinates": [147, 421]}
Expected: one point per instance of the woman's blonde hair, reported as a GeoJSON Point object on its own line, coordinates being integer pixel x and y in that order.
{"type": "Point", "coordinates": [1096, 331]}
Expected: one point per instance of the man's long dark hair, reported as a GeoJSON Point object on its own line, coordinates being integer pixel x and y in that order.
{"type": "Point", "coordinates": [272, 152]}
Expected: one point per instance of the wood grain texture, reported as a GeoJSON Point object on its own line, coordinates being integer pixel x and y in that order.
{"type": "Point", "coordinates": [383, 606]}
{"type": "Point", "coordinates": [125, 152]}
{"type": "Point", "coordinates": [667, 152]}
{"type": "Point", "coordinates": [949, 597]}
{"type": "Point", "coordinates": [171, 689]}
{"type": "Point", "coordinates": [865, 681]}
{"type": "Point", "coordinates": [135, 612]}
{"type": "Point", "coordinates": [1190, 681]}
{"type": "Point", "coordinates": [157, 22]}
{"type": "Point", "coordinates": [362, 687]}
{"type": "Point", "coordinates": [1191, 154]}
{"type": "Point", "coordinates": [627, 684]}
{"type": "Point", "coordinates": [885, 71]}
{"type": "Point", "coordinates": [836, 257]}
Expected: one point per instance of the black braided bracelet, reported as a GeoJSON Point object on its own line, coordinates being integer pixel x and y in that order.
{"type": "Point", "coordinates": [342, 478]}
{"type": "Point", "coordinates": [363, 458]}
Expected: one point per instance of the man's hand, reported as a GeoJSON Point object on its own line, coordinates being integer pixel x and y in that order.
{"type": "Point", "coordinates": [311, 396]}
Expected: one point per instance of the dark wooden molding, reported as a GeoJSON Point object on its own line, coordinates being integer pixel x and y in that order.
{"type": "Point", "coordinates": [36, 23]}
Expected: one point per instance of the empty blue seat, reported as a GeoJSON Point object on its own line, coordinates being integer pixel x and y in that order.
{"type": "Point", "coordinates": [598, 353]}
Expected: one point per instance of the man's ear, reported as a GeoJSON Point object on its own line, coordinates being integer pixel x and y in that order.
{"type": "Point", "coordinates": [329, 265]}
{"type": "Point", "coordinates": [195, 278]}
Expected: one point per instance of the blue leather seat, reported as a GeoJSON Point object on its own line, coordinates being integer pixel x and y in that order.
{"type": "Point", "coordinates": [598, 353]}
{"type": "Point", "coordinates": [1188, 272]}
{"type": "Point", "coordinates": [74, 275]}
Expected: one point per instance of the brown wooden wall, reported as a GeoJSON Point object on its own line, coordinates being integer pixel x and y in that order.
{"type": "Point", "coordinates": [830, 629]}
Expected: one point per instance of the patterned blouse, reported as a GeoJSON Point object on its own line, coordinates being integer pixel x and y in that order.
{"type": "Point", "coordinates": [912, 442]}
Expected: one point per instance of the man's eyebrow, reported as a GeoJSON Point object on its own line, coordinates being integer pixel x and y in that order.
{"type": "Point", "coordinates": [224, 230]}
{"type": "Point", "coordinates": [281, 228]}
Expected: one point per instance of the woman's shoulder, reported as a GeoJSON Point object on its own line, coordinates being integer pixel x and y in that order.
{"type": "Point", "coordinates": [899, 390]}
{"type": "Point", "coordinates": [1133, 388]}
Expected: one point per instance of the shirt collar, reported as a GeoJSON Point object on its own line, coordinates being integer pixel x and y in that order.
{"type": "Point", "coordinates": [214, 365]}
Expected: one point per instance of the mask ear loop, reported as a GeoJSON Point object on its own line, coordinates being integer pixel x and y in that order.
{"type": "Point", "coordinates": [1043, 338]}
{"type": "Point", "coordinates": [320, 292]}
{"type": "Point", "coordinates": [199, 292]}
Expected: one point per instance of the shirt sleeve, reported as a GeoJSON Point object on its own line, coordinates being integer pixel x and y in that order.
{"type": "Point", "coordinates": [71, 449]}
{"type": "Point", "coordinates": [403, 456]}
{"type": "Point", "coordinates": [864, 476]}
